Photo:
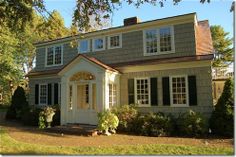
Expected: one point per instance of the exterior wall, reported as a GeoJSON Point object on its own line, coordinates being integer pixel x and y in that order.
{"type": "Point", "coordinates": [41, 80]}
{"type": "Point", "coordinates": [204, 89]}
{"type": "Point", "coordinates": [132, 48]}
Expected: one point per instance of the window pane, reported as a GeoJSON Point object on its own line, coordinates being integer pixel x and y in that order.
{"type": "Point", "coordinates": [50, 56]}
{"type": "Point", "coordinates": [142, 92]}
{"type": "Point", "coordinates": [115, 41]}
{"type": "Point", "coordinates": [112, 95]}
{"type": "Point", "coordinates": [165, 39]}
{"type": "Point", "coordinates": [58, 55]}
{"type": "Point", "coordinates": [151, 41]}
{"type": "Point", "coordinates": [84, 46]}
{"type": "Point", "coordinates": [98, 43]}
{"type": "Point", "coordinates": [179, 90]}
{"type": "Point", "coordinates": [43, 94]}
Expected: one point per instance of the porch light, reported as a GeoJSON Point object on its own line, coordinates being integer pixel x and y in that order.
{"type": "Point", "coordinates": [70, 107]}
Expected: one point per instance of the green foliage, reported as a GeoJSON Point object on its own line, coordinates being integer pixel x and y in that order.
{"type": "Point", "coordinates": [30, 116]}
{"type": "Point", "coordinates": [191, 124]}
{"type": "Point", "coordinates": [18, 103]}
{"type": "Point", "coordinates": [126, 114]}
{"type": "Point", "coordinates": [222, 119]}
{"type": "Point", "coordinates": [42, 121]}
{"type": "Point", "coordinates": [107, 121]}
{"type": "Point", "coordinates": [222, 45]}
{"type": "Point", "coordinates": [152, 124]}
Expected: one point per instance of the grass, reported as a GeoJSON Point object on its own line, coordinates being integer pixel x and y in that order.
{"type": "Point", "coordinates": [10, 146]}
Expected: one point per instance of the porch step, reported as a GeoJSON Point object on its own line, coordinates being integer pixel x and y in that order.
{"type": "Point", "coordinates": [74, 129]}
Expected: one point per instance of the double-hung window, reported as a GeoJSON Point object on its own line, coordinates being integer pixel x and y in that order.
{"type": "Point", "coordinates": [43, 94]}
{"type": "Point", "coordinates": [158, 41]}
{"type": "Point", "coordinates": [99, 44]}
{"type": "Point", "coordinates": [54, 55]}
{"type": "Point", "coordinates": [84, 46]}
{"type": "Point", "coordinates": [114, 41]}
{"type": "Point", "coordinates": [112, 95]}
{"type": "Point", "coordinates": [179, 90]}
{"type": "Point", "coordinates": [142, 91]}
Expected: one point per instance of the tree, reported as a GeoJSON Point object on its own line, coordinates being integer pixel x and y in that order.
{"type": "Point", "coordinates": [18, 103]}
{"type": "Point", "coordinates": [222, 45]}
{"type": "Point", "coordinates": [21, 11]}
{"type": "Point", "coordinates": [222, 118]}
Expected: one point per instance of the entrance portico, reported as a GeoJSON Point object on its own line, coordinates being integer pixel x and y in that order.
{"type": "Point", "coordinates": [85, 90]}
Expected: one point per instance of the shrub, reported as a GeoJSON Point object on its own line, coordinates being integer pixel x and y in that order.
{"type": "Point", "coordinates": [107, 121]}
{"type": "Point", "coordinates": [191, 124]}
{"type": "Point", "coordinates": [17, 104]}
{"type": "Point", "coordinates": [31, 116]}
{"type": "Point", "coordinates": [156, 124]}
{"type": "Point", "coordinates": [126, 114]}
{"type": "Point", "coordinates": [222, 118]}
{"type": "Point", "coordinates": [46, 116]}
{"type": "Point", "coordinates": [57, 117]}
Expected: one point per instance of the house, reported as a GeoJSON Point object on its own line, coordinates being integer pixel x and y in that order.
{"type": "Point", "coordinates": [162, 65]}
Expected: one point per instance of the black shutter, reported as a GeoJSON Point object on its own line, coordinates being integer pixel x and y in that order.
{"type": "Point", "coordinates": [166, 91]}
{"type": "Point", "coordinates": [49, 94]}
{"type": "Point", "coordinates": [56, 93]}
{"type": "Point", "coordinates": [36, 94]}
{"type": "Point", "coordinates": [192, 90]}
{"type": "Point", "coordinates": [154, 95]}
{"type": "Point", "coordinates": [131, 91]}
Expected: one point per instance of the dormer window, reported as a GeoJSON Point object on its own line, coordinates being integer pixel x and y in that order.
{"type": "Point", "coordinates": [84, 46]}
{"type": "Point", "coordinates": [158, 41]}
{"type": "Point", "coordinates": [99, 44]}
{"type": "Point", "coordinates": [114, 41]}
{"type": "Point", "coordinates": [54, 55]}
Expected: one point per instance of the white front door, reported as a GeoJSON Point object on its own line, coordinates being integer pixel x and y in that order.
{"type": "Point", "coordinates": [85, 104]}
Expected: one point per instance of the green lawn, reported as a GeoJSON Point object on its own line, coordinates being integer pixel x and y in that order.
{"type": "Point", "coordinates": [11, 146]}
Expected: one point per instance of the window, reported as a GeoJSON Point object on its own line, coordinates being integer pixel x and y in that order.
{"type": "Point", "coordinates": [165, 39]}
{"type": "Point", "coordinates": [43, 94]}
{"type": "Point", "coordinates": [112, 95]}
{"type": "Point", "coordinates": [84, 46]}
{"type": "Point", "coordinates": [142, 91]}
{"type": "Point", "coordinates": [54, 56]}
{"type": "Point", "coordinates": [114, 41]}
{"type": "Point", "coordinates": [159, 41]}
{"type": "Point", "coordinates": [70, 97]}
{"type": "Point", "coordinates": [179, 90]}
{"type": "Point", "coordinates": [98, 44]}
{"type": "Point", "coordinates": [151, 41]}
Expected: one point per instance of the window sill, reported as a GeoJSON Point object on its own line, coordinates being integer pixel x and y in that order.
{"type": "Point", "coordinates": [96, 50]}
{"type": "Point", "coordinates": [111, 48]}
{"type": "Point", "coordinates": [158, 53]}
{"type": "Point", "coordinates": [179, 105]}
{"type": "Point", "coordinates": [54, 65]}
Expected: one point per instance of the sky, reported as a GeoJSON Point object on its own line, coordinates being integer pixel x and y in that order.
{"type": "Point", "coordinates": [217, 11]}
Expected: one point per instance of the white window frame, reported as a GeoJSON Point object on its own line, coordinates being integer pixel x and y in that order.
{"type": "Point", "coordinates": [120, 41]}
{"type": "Point", "coordinates": [149, 92]}
{"type": "Point", "coordinates": [46, 55]}
{"type": "Point", "coordinates": [88, 40]}
{"type": "Point", "coordinates": [40, 93]}
{"type": "Point", "coordinates": [171, 91]}
{"type": "Point", "coordinates": [104, 43]}
{"type": "Point", "coordinates": [145, 53]}
{"type": "Point", "coordinates": [113, 94]}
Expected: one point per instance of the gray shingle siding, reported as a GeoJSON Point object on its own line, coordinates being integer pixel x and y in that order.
{"type": "Point", "coordinates": [132, 48]}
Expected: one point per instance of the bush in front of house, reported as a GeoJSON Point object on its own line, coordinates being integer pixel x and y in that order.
{"type": "Point", "coordinates": [57, 117]}
{"type": "Point", "coordinates": [191, 124]}
{"type": "Point", "coordinates": [107, 122]}
{"type": "Point", "coordinates": [126, 114]}
{"type": "Point", "coordinates": [152, 124]}
{"type": "Point", "coordinates": [18, 103]}
{"type": "Point", "coordinates": [30, 116]}
{"type": "Point", "coordinates": [222, 118]}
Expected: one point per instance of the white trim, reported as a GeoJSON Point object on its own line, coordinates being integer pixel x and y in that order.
{"type": "Point", "coordinates": [40, 104]}
{"type": "Point", "coordinates": [109, 41]}
{"type": "Point", "coordinates": [158, 41]}
{"type": "Point", "coordinates": [171, 93]}
{"type": "Point", "coordinates": [46, 55]}
{"type": "Point", "coordinates": [149, 92]}
{"type": "Point", "coordinates": [78, 48]}
{"type": "Point", "coordinates": [93, 42]}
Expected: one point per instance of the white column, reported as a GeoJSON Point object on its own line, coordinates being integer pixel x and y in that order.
{"type": "Point", "coordinates": [64, 97]}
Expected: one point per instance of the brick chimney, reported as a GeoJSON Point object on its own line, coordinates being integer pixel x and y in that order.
{"type": "Point", "coordinates": [131, 21]}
